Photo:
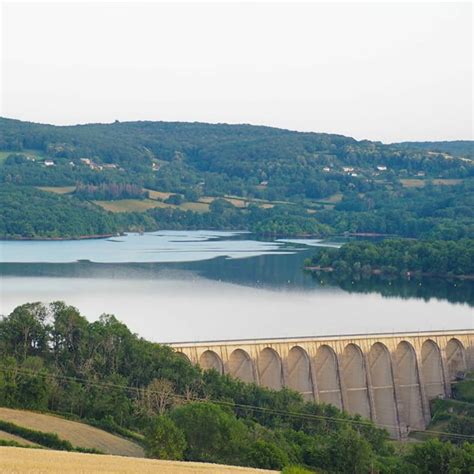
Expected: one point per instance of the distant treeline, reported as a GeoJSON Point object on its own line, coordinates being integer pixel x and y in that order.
{"type": "Point", "coordinates": [52, 358]}
{"type": "Point", "coordinates": [432, 257]}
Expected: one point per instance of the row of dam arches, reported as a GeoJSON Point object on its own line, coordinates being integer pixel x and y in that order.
{"type": "Point", "coordinates": [391, 388]}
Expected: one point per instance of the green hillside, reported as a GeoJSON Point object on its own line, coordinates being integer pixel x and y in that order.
{"type": "Point", "coordinates": [156, 175]}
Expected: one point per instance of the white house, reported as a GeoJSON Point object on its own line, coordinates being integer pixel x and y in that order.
{"type": "Point", "coordinates": [49, 163]}
{"type": "Point", "coordinates": [382, 168]}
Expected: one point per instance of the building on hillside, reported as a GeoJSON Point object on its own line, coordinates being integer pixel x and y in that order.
{"type": "Point", "coordinates": [49, 163]}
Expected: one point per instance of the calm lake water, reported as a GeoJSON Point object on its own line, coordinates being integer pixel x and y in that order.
{"type": "Point", "coordinates": [183, 286]}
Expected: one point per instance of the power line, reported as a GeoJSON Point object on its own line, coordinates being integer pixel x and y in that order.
{"type": "Point", "coordinates": [304, 416]}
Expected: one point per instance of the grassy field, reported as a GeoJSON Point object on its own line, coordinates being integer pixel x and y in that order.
{"type": "Point", "coordinates": [419, 183]}
{"type": "Point", "coordinates": [15, 460]}
{"type": "Point", "coordinates": [58, 189]}
{"type": "Point", "coordinates": [130, 205]}
{"type": "Point", "coordinates": [33, 153]}
{"type": "Point", "coordinates": [79, 434]}
{"type": "Point", "coordinates": [142, 205]}
{"type": "Point", "coordinates": [157, 194]}
{"type": "Point", "coordinates": [3, 155]}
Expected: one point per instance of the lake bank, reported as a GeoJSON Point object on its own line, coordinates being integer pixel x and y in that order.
{"type": "Point", "coordinates": [381, 272]}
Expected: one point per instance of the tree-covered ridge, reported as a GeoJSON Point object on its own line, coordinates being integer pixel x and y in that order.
{"type": "Point", "coordinates": [242, 160]}
{"type": "Point", "coordinates": [30, 213]}
{"type": "Point", "coordinates": [52, 358]}
{"type": "Point", "coordinates": [292, 183]}
{"type": "Point", "coordinates": [462, 148]}
{"type": "Point", "coordinates": [438, 257]}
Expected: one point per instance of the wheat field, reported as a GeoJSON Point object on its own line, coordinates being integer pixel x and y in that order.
{"type": "Point", "coordinates": [79, 434]}
{"type": "Point", "coordinates": [27, 460]}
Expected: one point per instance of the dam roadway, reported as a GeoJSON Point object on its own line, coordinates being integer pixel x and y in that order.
{"type": "Point", "coordinates": [389, 378]}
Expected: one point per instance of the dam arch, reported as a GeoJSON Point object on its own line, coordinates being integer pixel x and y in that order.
{"type": "Point", "coordinates": [327, 376]}
{"type": "Point", "coordinates": [432, 370]}
{"type": "Point", "coordinates": [240, 366]}
{"type": "Point", "coordinates": [381, 375]}
{"type": "Point", "coordinates": [270, 369]}
{"type": "Point", "coordinates": [408, 385]}
{"type": "Point", "coordinates": [183, 356]}
{"type": "Point", "coordinates": [347, 369]}
{"type": "Point", "coordinates": [354, 376]}
{"type": "Point", "coordinates": [210, 360]}
{"type": "Point", "coordinates": [299, 372]}
{"type": "Point", "coordinates": [455, 358]}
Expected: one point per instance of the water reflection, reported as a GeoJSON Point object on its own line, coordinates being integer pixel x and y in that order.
{"type": "Point", "coordinates": [452, 290]}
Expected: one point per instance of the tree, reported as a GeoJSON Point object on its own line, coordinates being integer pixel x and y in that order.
{"type": "Point", "coordinates": [349, 452]}
{"type": "Point", "coordinates": [24, 331]}
{"type": "Point", "coordinates": [164, 440]}
{"type": "Point", "coordinates": [266, 455]}
{"type": "Point", "coordinates": [437, 457]}
{"type": "Point", "coordinates": [212, 434]}
{"type": "Point", "coordinates": [156, 398]}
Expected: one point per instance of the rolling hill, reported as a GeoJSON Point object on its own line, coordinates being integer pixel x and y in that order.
{"type": "Point", "coordinates": [78, 434]}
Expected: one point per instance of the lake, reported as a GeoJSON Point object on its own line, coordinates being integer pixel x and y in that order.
{"type": "Point", "coordinates": [208, 285]}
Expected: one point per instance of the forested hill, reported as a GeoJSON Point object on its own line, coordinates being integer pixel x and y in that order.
{"type": "Point", "coordinates": [461, 148]}
{"type": "Point", "coordinates": [268, 180]}
{"type": "Point", "coordinates": [238, 157]}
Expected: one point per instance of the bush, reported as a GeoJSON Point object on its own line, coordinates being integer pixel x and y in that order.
{"type": "Point", "coordinates": [175, 199]}
{"type": "Point", "coordinates": [164, 440]}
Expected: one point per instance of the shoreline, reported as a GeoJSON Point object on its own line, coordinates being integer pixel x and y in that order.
{"type": "Point", "coordinates": [47, 239]}
{"type": "Point", "coordinates": [408, 275]}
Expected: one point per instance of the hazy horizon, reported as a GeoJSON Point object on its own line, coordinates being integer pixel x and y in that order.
{"type": "Point", "coordinates": [378, 71]}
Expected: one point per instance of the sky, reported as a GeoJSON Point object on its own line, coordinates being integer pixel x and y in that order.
{"type": "Point", "coordinates": [380, 71]}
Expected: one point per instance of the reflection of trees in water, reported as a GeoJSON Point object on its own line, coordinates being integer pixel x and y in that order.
{"type": "Point", "coordinates": [454, 291]}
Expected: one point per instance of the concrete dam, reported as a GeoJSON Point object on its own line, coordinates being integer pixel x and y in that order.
{"type": "Point", "coordinates": [389, 378]}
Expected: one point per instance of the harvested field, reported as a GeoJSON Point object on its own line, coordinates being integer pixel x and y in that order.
{"type": "Point", "coordinates": [157, 194]}
{"type": "Point", "coordinates": [130, 205]}
{"type": "Point", "coordinates": [419, 183]}
{"type": "Point", "coordinates": [79, 434]}
{"type": "Point", "coordinates": [142, 205]}
{"type": "Point", "coordinates": [58, 189]}
{"type": "Point", "coordinates": [446, 182]}
{"type": "Point", "coordinates": [194, 206]}
{"type": "Point", "coordinates": [412, 183]}
{"type": "Point", "coordinates": [19, 460]}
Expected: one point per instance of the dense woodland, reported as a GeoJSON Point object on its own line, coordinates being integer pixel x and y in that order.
{"type": "Point", "coordinates": [53, 359]}
{"type": "Point", "coordinates": [28, 213]}
{"type": "Point", "coordinates": [432, 257]}
{"type": "Point", "coordinates": [298, 176]}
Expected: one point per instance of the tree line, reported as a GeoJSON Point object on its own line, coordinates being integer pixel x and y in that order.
{"type": "Point", "coordinates": [431, 257]}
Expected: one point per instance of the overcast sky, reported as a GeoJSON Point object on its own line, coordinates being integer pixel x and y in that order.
{"type": "Point", "coordinates": [388, 72]}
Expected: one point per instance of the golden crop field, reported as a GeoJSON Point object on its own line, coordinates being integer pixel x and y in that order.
{"type": "Point", "coordinates": [79, 434]}
{"type": "Point", "coordinates": [20, 460]}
